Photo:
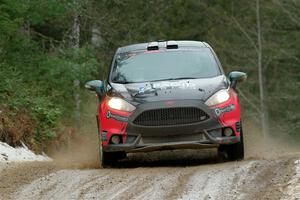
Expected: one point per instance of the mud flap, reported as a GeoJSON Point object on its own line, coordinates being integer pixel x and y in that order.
{"type": "Point", "coordinates": [98, 126]}
{"type": "Point", "coordinates": [100, 150]}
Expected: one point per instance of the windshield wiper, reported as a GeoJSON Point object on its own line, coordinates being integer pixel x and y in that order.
{"type": "Point", "coordinates": [123, 82]}
{"type": "Point", "coordinates": [172, 79]}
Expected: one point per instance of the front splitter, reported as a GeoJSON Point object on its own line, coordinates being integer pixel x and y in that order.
{"type": "Point", "coordinates": [159, 147]}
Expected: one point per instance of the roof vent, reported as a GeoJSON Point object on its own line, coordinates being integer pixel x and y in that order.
{"type": "Point", "coordinates": [152, 46]}
{"type": "Point", "coordinates": [172, 45]}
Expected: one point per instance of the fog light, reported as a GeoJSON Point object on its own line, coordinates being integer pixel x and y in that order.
{"type": "Point", "coordinates": [115, 139]}
{"type": "Point", "coordinates": [228, 132]}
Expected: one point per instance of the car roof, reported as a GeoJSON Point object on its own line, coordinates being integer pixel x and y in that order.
{"type": "Point", "coordinates": [162, 44]}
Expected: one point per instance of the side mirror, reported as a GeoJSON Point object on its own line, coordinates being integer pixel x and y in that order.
{"type": "Point", "coordinates": [95, 85]}
{"type": "Point", "coordinates": [236, 77]}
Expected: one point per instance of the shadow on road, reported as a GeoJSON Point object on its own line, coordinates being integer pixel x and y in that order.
{"type": "Point", "coordinates": [175, 158]}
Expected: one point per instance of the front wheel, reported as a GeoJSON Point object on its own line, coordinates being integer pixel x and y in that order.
{"type": "Point", "coordinates": [103, 158]}
{"type": "Point", "coordinates": [109, 158]}
{"type": "Point", "coordinates": [234, 151]}
{"type": "Point", "coordinates": [106, 159]}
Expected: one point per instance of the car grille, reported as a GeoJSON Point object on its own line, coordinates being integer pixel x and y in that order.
{"type": "Point", "coordinates": [170, 116]}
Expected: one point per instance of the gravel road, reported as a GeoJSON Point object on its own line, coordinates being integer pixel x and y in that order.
{"type": "Point", "coordinates": [163, 175]}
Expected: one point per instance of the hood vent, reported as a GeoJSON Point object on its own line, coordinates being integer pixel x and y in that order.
{"type": "Point", "coordinates": [152, 46]}
{"type": "Point", "coordinates": [172, 45]}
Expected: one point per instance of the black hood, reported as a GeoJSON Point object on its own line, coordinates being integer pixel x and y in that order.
{"type": "Point", "coordinates": [200, 89]}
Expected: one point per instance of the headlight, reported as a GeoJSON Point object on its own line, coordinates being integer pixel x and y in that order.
{"type": "Point", "coordinates": [119, 104]}
{"type": "Point", "coordinates": [219, 97]}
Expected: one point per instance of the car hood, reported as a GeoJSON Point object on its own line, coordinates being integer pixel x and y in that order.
{"type": "Point", "coordinates": [201, 89]}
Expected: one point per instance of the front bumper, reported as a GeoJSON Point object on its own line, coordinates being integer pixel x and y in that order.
{"type": "Point", "coordinates": [139, 146]}
{"type": "Point", "coordinates": [137, 138]}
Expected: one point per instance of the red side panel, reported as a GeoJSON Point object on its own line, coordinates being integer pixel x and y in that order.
{"type": "Point", "coordinates": [110, 125]}
{"type": "Point", "coordinates": [229, 119]}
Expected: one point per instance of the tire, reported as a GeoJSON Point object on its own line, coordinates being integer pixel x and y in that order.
{"type": "Point", "coordinates": [107, 159]}
{"type": "Point", "coordinates": [103, 157]}
{"type": "Point", "coordinates": [101, 154]}
{"type": "Point", "coordinates": [234, 151]}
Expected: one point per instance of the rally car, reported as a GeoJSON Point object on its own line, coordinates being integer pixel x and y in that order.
{"type": "Point", "coordinates": [167, 95]}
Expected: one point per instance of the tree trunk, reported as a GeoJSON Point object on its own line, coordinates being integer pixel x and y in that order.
{"type": "Point", "coordinates": [261, 77]}
{"type": "Point", "coordinates": [75, 43]}
{"type": "Point", "coordinates": [96, 38]}
{"type": "Point", "coordinates": [75, 32]}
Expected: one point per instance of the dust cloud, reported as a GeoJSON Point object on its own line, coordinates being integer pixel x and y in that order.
{"type": "Point", "coordinates": [82, 149]}
{"type": "Point", "coordinates": [258, 146]}
{"type": "Point", "coordinates": [82, 152]}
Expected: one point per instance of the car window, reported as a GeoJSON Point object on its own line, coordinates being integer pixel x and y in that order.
{"type": "Point", "coordinates": [168, 64]}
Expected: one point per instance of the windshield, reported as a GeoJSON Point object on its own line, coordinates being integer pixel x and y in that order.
{"type": "Point", "coordinates": [131, 67]}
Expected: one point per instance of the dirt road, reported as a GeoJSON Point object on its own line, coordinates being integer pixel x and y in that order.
{"type": "Point", "coordinates": [166, 175]}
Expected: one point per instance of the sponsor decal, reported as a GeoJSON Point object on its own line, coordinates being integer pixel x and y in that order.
{"type": "Point", "coordinates": [172, 85]}
{"type": "Point", "coordinates": [116, 117]}
{"type": "Point", "coordinates": [169, 103]}
{"type": "Point", "coordinates": [165, 85]}
{"type": "Point", "coordinates": [203, 118]}
{"type": "Point", "coordinates": [141, 90]}
{"type": "Point", "coordinates": [226, 109]}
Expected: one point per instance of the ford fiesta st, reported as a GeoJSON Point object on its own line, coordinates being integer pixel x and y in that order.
{"type": "Point", "coordinates": [168, 95]}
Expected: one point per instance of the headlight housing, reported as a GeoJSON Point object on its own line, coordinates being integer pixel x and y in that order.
{"type": "Point", "coordinates": [119, 104]}
{"type": "Point", "coordinates": [219, 97]}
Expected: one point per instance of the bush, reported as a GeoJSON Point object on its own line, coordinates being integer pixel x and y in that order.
{"type": "Point", "coordinates": [43, 87]}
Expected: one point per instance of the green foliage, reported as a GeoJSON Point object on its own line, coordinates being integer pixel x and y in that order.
{"type": "Point", "coordinates": [38, 68]}
{"type": "Point", "coordinates": [38, 79]}
{"type": "Point", "coordinates": [46, 114]}
{"type": "Point", "coordinates": [45, 85]}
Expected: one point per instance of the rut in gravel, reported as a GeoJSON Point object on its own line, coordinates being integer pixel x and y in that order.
{"type": "Point", "coordinates": [169, 177]}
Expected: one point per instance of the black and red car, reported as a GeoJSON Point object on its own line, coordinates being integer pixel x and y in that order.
{"type": "Point", "coordinates": [168, 95]}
